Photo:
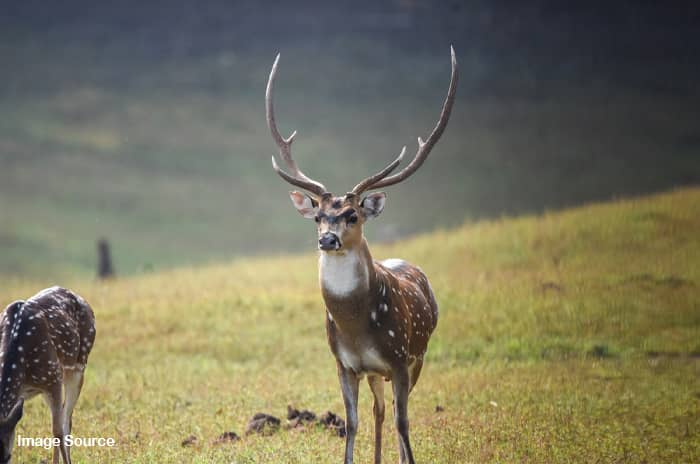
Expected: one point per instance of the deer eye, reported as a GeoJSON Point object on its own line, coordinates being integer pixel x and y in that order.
{"type": "Point", "coordinates": [352, 219]}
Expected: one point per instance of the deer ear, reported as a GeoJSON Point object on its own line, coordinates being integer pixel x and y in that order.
{"type": "Point", "coordinates": [306, 205]}
{"type": "Point", "coordinates": [373, 204]}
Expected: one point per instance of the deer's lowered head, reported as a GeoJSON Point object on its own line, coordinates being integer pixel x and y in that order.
{"type": "Point", "coordinates": [8, 425]}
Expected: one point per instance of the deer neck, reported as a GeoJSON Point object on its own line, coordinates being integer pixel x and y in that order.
{"type": "Point", "coordinates": [346, 277]}
{"type": "Point", "coordinates": [11, 385]}
{"type": "Point", "coordinates": [12, 366]}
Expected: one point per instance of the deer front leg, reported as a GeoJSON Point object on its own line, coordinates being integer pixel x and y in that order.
{"type": "Point", "coordinates": [349, 385]}
{"type": "Point", "coordinates": [376, 384]}
{"type": "Point", "coordinates": [400, 384]}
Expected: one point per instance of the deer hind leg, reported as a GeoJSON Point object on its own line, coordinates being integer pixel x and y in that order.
{"type": "Point", "coordinates": [349, 385]}
{"type": "Point", "coordinates": [72, 384]}
{"type": "Point", "coordinates": [401, 387]}
{"type": "Point", "coordinates": [54, 398]}
{"type": "Point", "coordinates": [402, 451]}
{"type": "Point", "coordinates": [376, 384]}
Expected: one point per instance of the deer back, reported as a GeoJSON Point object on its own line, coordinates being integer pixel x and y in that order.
{"type": "Point", "coordinates": [52, 331]}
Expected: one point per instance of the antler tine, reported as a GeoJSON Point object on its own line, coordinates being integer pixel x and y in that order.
{"type": "Point", "coordinates": [296, 180]}
{"type": "Point", "coordinates": [425, 147]}
{"type": "Point", "coordinates": [365, 184]}
{"type": "Point", "coordinates": [297, 177]}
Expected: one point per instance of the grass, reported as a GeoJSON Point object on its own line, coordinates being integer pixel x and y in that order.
{"type": "Point", "coordinates": [567, 337]}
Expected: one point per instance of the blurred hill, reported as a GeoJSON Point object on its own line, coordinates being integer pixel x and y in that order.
{"type": "Point", "coordinates": [145, 123]}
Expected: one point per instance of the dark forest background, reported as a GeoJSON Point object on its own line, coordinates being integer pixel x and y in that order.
{"type": "Point", "coordinates": [145, 124]}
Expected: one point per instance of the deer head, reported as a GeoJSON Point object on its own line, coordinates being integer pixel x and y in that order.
{"type": "Point", "coordinates": [340, 219]}
{"type": "Point", "coordinates": [7, 431]}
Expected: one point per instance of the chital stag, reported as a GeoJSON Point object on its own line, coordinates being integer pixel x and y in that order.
{"type": "Point", "coordinates": [380, 314]}
{"type": "Point", "coordinates": [45, 345]}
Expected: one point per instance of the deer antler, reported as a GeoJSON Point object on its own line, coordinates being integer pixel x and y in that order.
{"type": "Point", "coordinates": [380, 180]}
{"type": "Point", "coordinates": [367, 183]}
{"type": "Point", "coordinates": [296, 177]}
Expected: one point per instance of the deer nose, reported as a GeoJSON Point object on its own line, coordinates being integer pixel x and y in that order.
{"type": "Point", "coordinates": [328, 241]}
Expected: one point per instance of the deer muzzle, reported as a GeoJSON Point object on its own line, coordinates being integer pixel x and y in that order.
{"type": "Point", "coordinates": [328, 242]}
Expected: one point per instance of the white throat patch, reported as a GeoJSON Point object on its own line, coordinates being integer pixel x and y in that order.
{"type": "Point", "coordinates": [340, 274]}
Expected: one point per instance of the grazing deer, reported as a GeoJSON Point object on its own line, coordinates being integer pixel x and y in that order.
{"type": "Point", "coordinates": [45, 345]}
{"type": "Point", "coordinates": [380, 314]}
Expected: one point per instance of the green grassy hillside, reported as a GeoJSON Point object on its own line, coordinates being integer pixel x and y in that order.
{"type": "Point", "coordinates": [566, 337]}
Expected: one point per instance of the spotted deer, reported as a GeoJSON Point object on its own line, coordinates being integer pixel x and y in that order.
{"type": "Point", "coordinates": [380, 314]}
{"type": "Point", "coordinates": [45, 345]}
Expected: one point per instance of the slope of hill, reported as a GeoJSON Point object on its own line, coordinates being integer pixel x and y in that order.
{"type": "Point", "coordinates": [566, 337]}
